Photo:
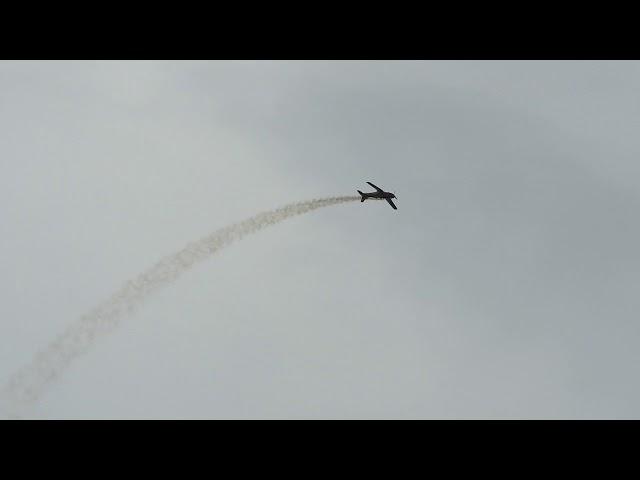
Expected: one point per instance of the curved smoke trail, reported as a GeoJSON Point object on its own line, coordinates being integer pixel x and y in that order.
{"type": "Point", "coordinates": [28, 384]}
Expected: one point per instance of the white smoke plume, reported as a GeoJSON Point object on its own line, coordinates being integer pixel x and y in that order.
{"type": "Point", "coordinates": [30, 383]}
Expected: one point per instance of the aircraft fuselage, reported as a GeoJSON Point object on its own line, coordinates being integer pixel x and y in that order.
{"type": "Point", "coordinates": [381, 195]}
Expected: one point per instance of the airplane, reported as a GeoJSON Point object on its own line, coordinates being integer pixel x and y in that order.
{"type": "Point", "coordinates": [379, 194]}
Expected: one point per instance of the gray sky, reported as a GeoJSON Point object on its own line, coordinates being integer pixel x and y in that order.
{"type": "Point", "coordinates": [504, 286]}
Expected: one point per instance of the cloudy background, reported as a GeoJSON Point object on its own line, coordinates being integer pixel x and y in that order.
{"type": "Point", "coordinates": [505, 286]}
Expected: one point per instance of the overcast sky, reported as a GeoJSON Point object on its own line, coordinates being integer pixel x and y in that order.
{"type": "Point", "coordinates": [506, 285]}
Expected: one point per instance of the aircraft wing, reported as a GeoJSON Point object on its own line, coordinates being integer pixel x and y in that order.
{"type": "Point", "coordinates": [392, 204]}
{"type": "Point", "coordinates": [377, 188]}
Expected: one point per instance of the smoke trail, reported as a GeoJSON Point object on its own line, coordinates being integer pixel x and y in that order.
{"type": "Point", "coordinates": [28, 384]}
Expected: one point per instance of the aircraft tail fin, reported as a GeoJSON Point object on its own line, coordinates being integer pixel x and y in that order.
{"type": "Point", "coordinates": [362, 195]}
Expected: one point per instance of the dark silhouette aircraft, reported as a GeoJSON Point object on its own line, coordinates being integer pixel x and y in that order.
{"type": "Point", "coordinates": [379, 194]}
